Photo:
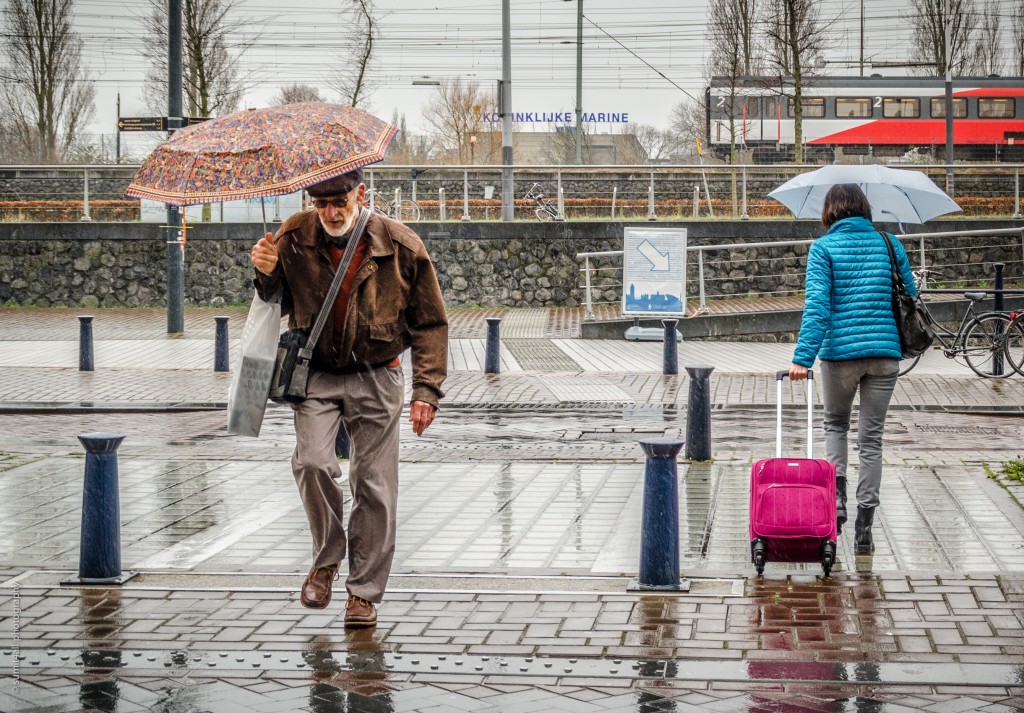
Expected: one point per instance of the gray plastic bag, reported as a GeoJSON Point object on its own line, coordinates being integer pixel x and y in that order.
{"type": "Point", "coordinates": [250, 383]}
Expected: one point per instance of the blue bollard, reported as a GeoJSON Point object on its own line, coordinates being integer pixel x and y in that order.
{"type": "Point", "coordinates": [492, 360]}
{"type": "Point", "coordinates": [659, 530]}
{"type": "Point", "coordinates": [99, 558]}
{"type": "Point", "coordinates": [670, 355]}
{"type": "Point", "coordinates": [220, 350]}
{"type": "Point", "coordinates": [85, 362]}
{"type": "Point", "coordinates": [698, 414]}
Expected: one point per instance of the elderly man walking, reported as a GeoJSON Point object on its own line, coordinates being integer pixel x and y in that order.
{"type": "Point", "coordinates": [389, 301]}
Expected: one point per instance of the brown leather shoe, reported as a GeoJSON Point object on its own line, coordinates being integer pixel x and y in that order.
{"type": "Point", "coordinates": [316, 590]}
{"type": "Point", "coordinates": [359, 614]}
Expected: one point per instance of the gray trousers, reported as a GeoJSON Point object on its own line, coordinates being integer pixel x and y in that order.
{"type": "Point", "coordinates": [840, 380]}
{"type": "Point", "coordinates": [370, 404]}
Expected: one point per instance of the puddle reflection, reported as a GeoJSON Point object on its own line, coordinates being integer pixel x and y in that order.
{"type": "Point", "coordinates": [355, 681]}
{"type": "Point", "coordinates": [99, 612]}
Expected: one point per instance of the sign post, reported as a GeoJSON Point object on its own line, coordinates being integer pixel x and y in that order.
{"type": "Point", "coordinates": [653, 278]}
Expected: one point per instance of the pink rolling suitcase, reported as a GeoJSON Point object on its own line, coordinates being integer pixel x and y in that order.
{"type": "Point", "coordinates": [793, 501]}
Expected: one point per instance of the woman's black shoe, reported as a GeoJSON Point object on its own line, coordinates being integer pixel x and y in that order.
{"type": "Point", "coordinates": [863, 544]}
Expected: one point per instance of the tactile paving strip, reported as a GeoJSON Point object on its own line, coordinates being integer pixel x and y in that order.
{"type": "Point", "coordinates": [540, 355]}
{"type": "Point", "coordinates": [586, 389]}
{"type": "Point", "coordinates": [554, 668]}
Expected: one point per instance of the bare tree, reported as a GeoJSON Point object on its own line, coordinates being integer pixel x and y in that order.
{"type": "Point", "coordinates": [733, 47]}
{"type": "Point", "coordinates": [1017, 29]}
{"type": "Point", "coordinates": [796, 36]}
{"type": "Point", "coordinates": [47, 99]}
{"type": "Point", "coordinates": [352, 78]}
{"type": "Point", "coordinates": [928, 19]}
{"type": "Point", "coordinates": [988, 54]}
{"type": "Point", "coordinates": [293, 93]}
{"type": "Point", "coordinates": [659, 145]}
{"type": "Point", "coordinates": [212, 78]}
{"type": "Point", "coordinates": [407, 148]}
{"type": "Point", "coordinates": [455, 113]}
{"type": "Point", "coordinates": [689, 125]}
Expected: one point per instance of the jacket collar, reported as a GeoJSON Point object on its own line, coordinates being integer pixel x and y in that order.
{"type": "Point", "coordinates": [309, 232]}
{"type": "Point", "coordinates": [852, 225]}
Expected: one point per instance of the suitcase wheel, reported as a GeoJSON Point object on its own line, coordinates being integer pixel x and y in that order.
{"type": "Point", "coordinates": [759, 555]}
{"type": "Point", "coordinates": [828, 556]}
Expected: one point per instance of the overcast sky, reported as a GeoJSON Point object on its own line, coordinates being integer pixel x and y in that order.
{"type": "Point", "coordinates": [624, 44]}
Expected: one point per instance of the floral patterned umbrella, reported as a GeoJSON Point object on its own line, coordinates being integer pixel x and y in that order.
{"type": "Point", "coordinates": [261, 152]}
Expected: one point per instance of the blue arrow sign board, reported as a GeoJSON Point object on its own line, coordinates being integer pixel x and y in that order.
{"type": "Point", "coordinates": [654, 271]}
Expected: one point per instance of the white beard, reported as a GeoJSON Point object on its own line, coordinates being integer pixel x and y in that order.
{"type": "Point", "coordinates": [337, 232]}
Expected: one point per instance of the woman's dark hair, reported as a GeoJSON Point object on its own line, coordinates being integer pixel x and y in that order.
{"type": "Point", "coordinates": [844, 200]}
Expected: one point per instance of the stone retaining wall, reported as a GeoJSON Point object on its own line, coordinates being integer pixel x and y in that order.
{"type": "Point", "coordinates": [512, 265]}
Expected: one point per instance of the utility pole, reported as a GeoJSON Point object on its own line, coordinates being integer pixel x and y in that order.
{"type": "Point", "coordinates": [579, 82]}
{"type": "Point", "coordinates": [508, 206]}
{"type": "Point", "coordinates": [175, 242]}
{"type": "Point", "coordinates": [949, 98]}
{"type": "Point", "coordinates": [862, 38]}
{"type": "Point", "coordinates": [117, 133]}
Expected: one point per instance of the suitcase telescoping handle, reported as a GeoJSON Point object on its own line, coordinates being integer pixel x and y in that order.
{"type": "Point", "coordinates": [779, 376]}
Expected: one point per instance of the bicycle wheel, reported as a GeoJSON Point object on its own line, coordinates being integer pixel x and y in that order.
{"type": "Point", "coordinates": [982, 345]}
{"type": "Point", "coordinates": [543, 215]}
{"type": "Point", "coordinates": [907, 364]}
{"type": "Point", "coordinates": [1013, 346]}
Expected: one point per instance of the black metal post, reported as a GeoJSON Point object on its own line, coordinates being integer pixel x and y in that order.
{"type": "Point", "coordinates": [659, 530]}
{"type": "Point", "coordinates": [175, 252]}
{"type": "Point", "coordinates": [997, 304]}
{"type": "Point", "coordinates": [698, 413]}
{"type": "Point", "coordinates": [220, 350]}
{"type": "Point", "coordinates": [670, 354]}
{"type": "Point", "coordinates": [85, 360]}
{"type": "Point", "coordinates": [492, 361]}
{"type": "Point", "coordinates": [99, 560]}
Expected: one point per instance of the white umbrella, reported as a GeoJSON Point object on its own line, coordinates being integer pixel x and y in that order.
{"type": "Point", "coordinates": [895, 195]}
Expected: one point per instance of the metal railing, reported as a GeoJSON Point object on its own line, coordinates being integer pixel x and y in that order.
{"type": "Point", "coordinates": [920, 251]}
{"type": "Point", "coordinates": [636, 192]}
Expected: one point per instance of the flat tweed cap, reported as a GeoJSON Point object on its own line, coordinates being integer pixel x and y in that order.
{"type": "Point", "coordinates": [337, 185]}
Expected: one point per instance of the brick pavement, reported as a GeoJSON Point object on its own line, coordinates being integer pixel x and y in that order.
{"type": "Point", "coordinates": [513, 504]}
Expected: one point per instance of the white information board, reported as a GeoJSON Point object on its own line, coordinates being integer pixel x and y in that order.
{"type": "Point", "coordinates": [654, 271]}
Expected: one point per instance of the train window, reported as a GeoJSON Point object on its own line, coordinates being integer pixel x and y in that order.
{"type": "Point", "coordinates": [939, 108]}
{"type": "Point", "coordinates": [859, 107]}
{"type": "Point", "coordinates": [992, 108]}
{"type": "Point", "coordinates": [814, 108]}
{"type": "Point", "coordinates": [901, 107]}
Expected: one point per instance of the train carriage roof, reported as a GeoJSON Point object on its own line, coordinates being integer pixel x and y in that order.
{"type": "Point", "coordinates": [769, 83]}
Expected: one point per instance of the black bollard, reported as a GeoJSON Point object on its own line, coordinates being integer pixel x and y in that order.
{"type": "Point", "coordinates": [85, 362]}
{"type": "Point", "coordinates": [659, 529]}
{"type": "Point", "coordinates": [492, 361]}
{"type": "Point", "coordinates": [997, 305]}
{"type": "Point", "coordinates": [342, 445]}
{"type": "Point", "coordinates": [698, 414]}
{"type": "Point", "coordinates": [99, 558]}
{"type": "Point", "coordinates": [670, 355]}
{"type": "Point", "coordinates": [220, 349]}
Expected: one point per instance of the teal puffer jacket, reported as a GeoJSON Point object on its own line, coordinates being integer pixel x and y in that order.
{"type": "Point", "coordinates": [848, 304]}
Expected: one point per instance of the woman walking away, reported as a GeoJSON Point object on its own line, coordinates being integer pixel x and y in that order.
{"type": "Point", "coordinates": [849, 325]}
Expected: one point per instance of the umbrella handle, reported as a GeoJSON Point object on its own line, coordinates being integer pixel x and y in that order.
{"type": "Point", "coordinates": [263, 209]}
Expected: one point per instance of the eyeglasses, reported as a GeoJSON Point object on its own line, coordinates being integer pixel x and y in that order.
{"type": "Point", "coordinates": [338, 203]}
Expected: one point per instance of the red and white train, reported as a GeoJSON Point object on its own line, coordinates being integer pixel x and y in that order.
{"type": "Point", "coordinates": [881, 116]}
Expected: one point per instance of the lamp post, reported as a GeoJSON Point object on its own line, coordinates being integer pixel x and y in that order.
{"type": "Point", "coordinates": [949, 99]}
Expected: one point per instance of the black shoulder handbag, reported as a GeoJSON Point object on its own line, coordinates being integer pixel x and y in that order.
{"type": "Point", "coordinates": [295, 347]}
{"type": "Point", "coordinates": [912, 320]}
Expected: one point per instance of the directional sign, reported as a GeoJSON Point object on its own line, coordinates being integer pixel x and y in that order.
{"type": "Point", "coordinates": [654, 271]}
{"type": "Point", "coordinates": [142, 123]}
{"type": "Point", "coordinates": [189, 120]}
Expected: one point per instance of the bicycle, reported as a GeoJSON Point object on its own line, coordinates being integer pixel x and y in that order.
{"type": "Point", "coordinates": [404, 210]}
{"type": "Point", "coordinates": [1013, 345]}
{"type": "Point", "coordinates": [980, 338]}
{"type": "Point", "coordinates": [545, 210]}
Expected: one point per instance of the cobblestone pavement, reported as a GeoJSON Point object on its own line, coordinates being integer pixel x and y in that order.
{"type": "Point", "coordinates": [518, 534]}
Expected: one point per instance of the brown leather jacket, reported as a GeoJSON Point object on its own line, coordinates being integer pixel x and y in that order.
{"type": "Point", "coordinates": [396, 302]}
